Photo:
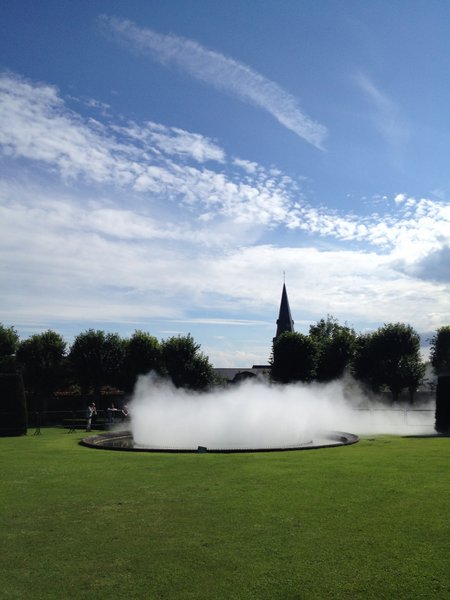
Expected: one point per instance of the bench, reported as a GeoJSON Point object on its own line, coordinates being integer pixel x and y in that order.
{"type": "Point", "coordinates": [76, 423]}
{"type": "Point", "coordinates": [73, 424]}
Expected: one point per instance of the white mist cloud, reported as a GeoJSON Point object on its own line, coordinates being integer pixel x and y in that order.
{"type": "Point", "coordinates": [222, 72]}
{"type": "Point", "coordinates": [258, 415]}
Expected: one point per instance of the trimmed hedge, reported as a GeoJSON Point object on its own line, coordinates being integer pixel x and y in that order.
{"type": "Point", "coordinates": [13, 407]}
{"type": "Point", "coordinates": [442, 423]}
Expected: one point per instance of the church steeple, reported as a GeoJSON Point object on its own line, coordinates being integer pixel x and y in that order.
{"type": "Point", "coordinates": [284, 321]}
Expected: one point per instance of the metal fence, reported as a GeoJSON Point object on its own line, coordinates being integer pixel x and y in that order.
{"type": "Point", "coordinates": [413, 417]}
{"type": "Point", "coordinates": [59, 417]}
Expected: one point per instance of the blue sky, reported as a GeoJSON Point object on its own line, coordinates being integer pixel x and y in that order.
{"type": "Point", "coordinates": [163, 163]}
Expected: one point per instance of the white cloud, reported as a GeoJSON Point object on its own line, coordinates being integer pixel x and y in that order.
{"type": "Point", "coordinates": [36, 125]}
{"type": "Point", "coordinates": [75, 262]}
{"type": "Point", "coordinates": [157, 160]}
{"type": "Point", "coordinates": [153, 233]}
{"type": "Point", "coordinates": [222, 72]}
{"type": "Point", "coordinates": [174, 141]}
{"type": "Point", "coordinates": [247, 165]}
{"type": "Point", "coordinates": [162, 162]}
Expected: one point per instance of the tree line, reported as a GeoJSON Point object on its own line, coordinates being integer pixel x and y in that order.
{"type": "Point", "coordinates": [97, 359]}
{"type": "Point", "coordinates": [386, 359]}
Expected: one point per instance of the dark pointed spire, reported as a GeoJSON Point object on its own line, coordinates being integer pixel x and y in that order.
{"type": "Point", "coordinates": [284, 321]}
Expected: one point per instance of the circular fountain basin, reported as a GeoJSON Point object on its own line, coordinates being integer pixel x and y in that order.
{"type": "Point", "coordinates": [123, 440]}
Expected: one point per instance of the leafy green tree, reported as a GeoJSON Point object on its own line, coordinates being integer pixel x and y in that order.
{"type": "Point", "coordinates": [142, 354]}
{"type": "Point", "coordinates": [97, 358]}
{"type": "Point", "coordinates": [390, 357]}
{"type": "Point", "coordinates": [366, 366]}
{"type": "Point", "coordinates": [184, 363]}
{"type": "Point", "coordinates": [41, 358]}
{"type": "Point", "coordinates": [440, 350]}
{"type": "Point", "coordinates": [294, 358]}
{"type": "Point", "coordinates": [336, 345]}
{"type": "Point", "coordinates": [9, 342]}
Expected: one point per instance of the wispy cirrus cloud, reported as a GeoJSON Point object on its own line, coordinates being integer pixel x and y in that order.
{"type": "Point", "coordinates": [222, 72]}
{"type": "Point", "coordinates": [386, 116]}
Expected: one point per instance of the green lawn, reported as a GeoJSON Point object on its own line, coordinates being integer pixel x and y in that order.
{"type": "Point", "coordinates": [364, 521]}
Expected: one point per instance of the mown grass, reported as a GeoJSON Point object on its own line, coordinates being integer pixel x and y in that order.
{"type": "Point", "coordinates": [364, 521]}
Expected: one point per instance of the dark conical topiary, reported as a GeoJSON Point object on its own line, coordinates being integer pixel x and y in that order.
{"type": "Point", "coordinates": [13, 408]}
{"type": "Point", "coordinates": [442, 423]}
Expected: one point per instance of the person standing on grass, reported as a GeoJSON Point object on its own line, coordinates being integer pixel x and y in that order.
{"type": "Point", "coordinates": [111, 410]}
{"type": "Point", "coordinates": [125, 412]}
{"type": "Point", "coordinates": [91, 412]}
